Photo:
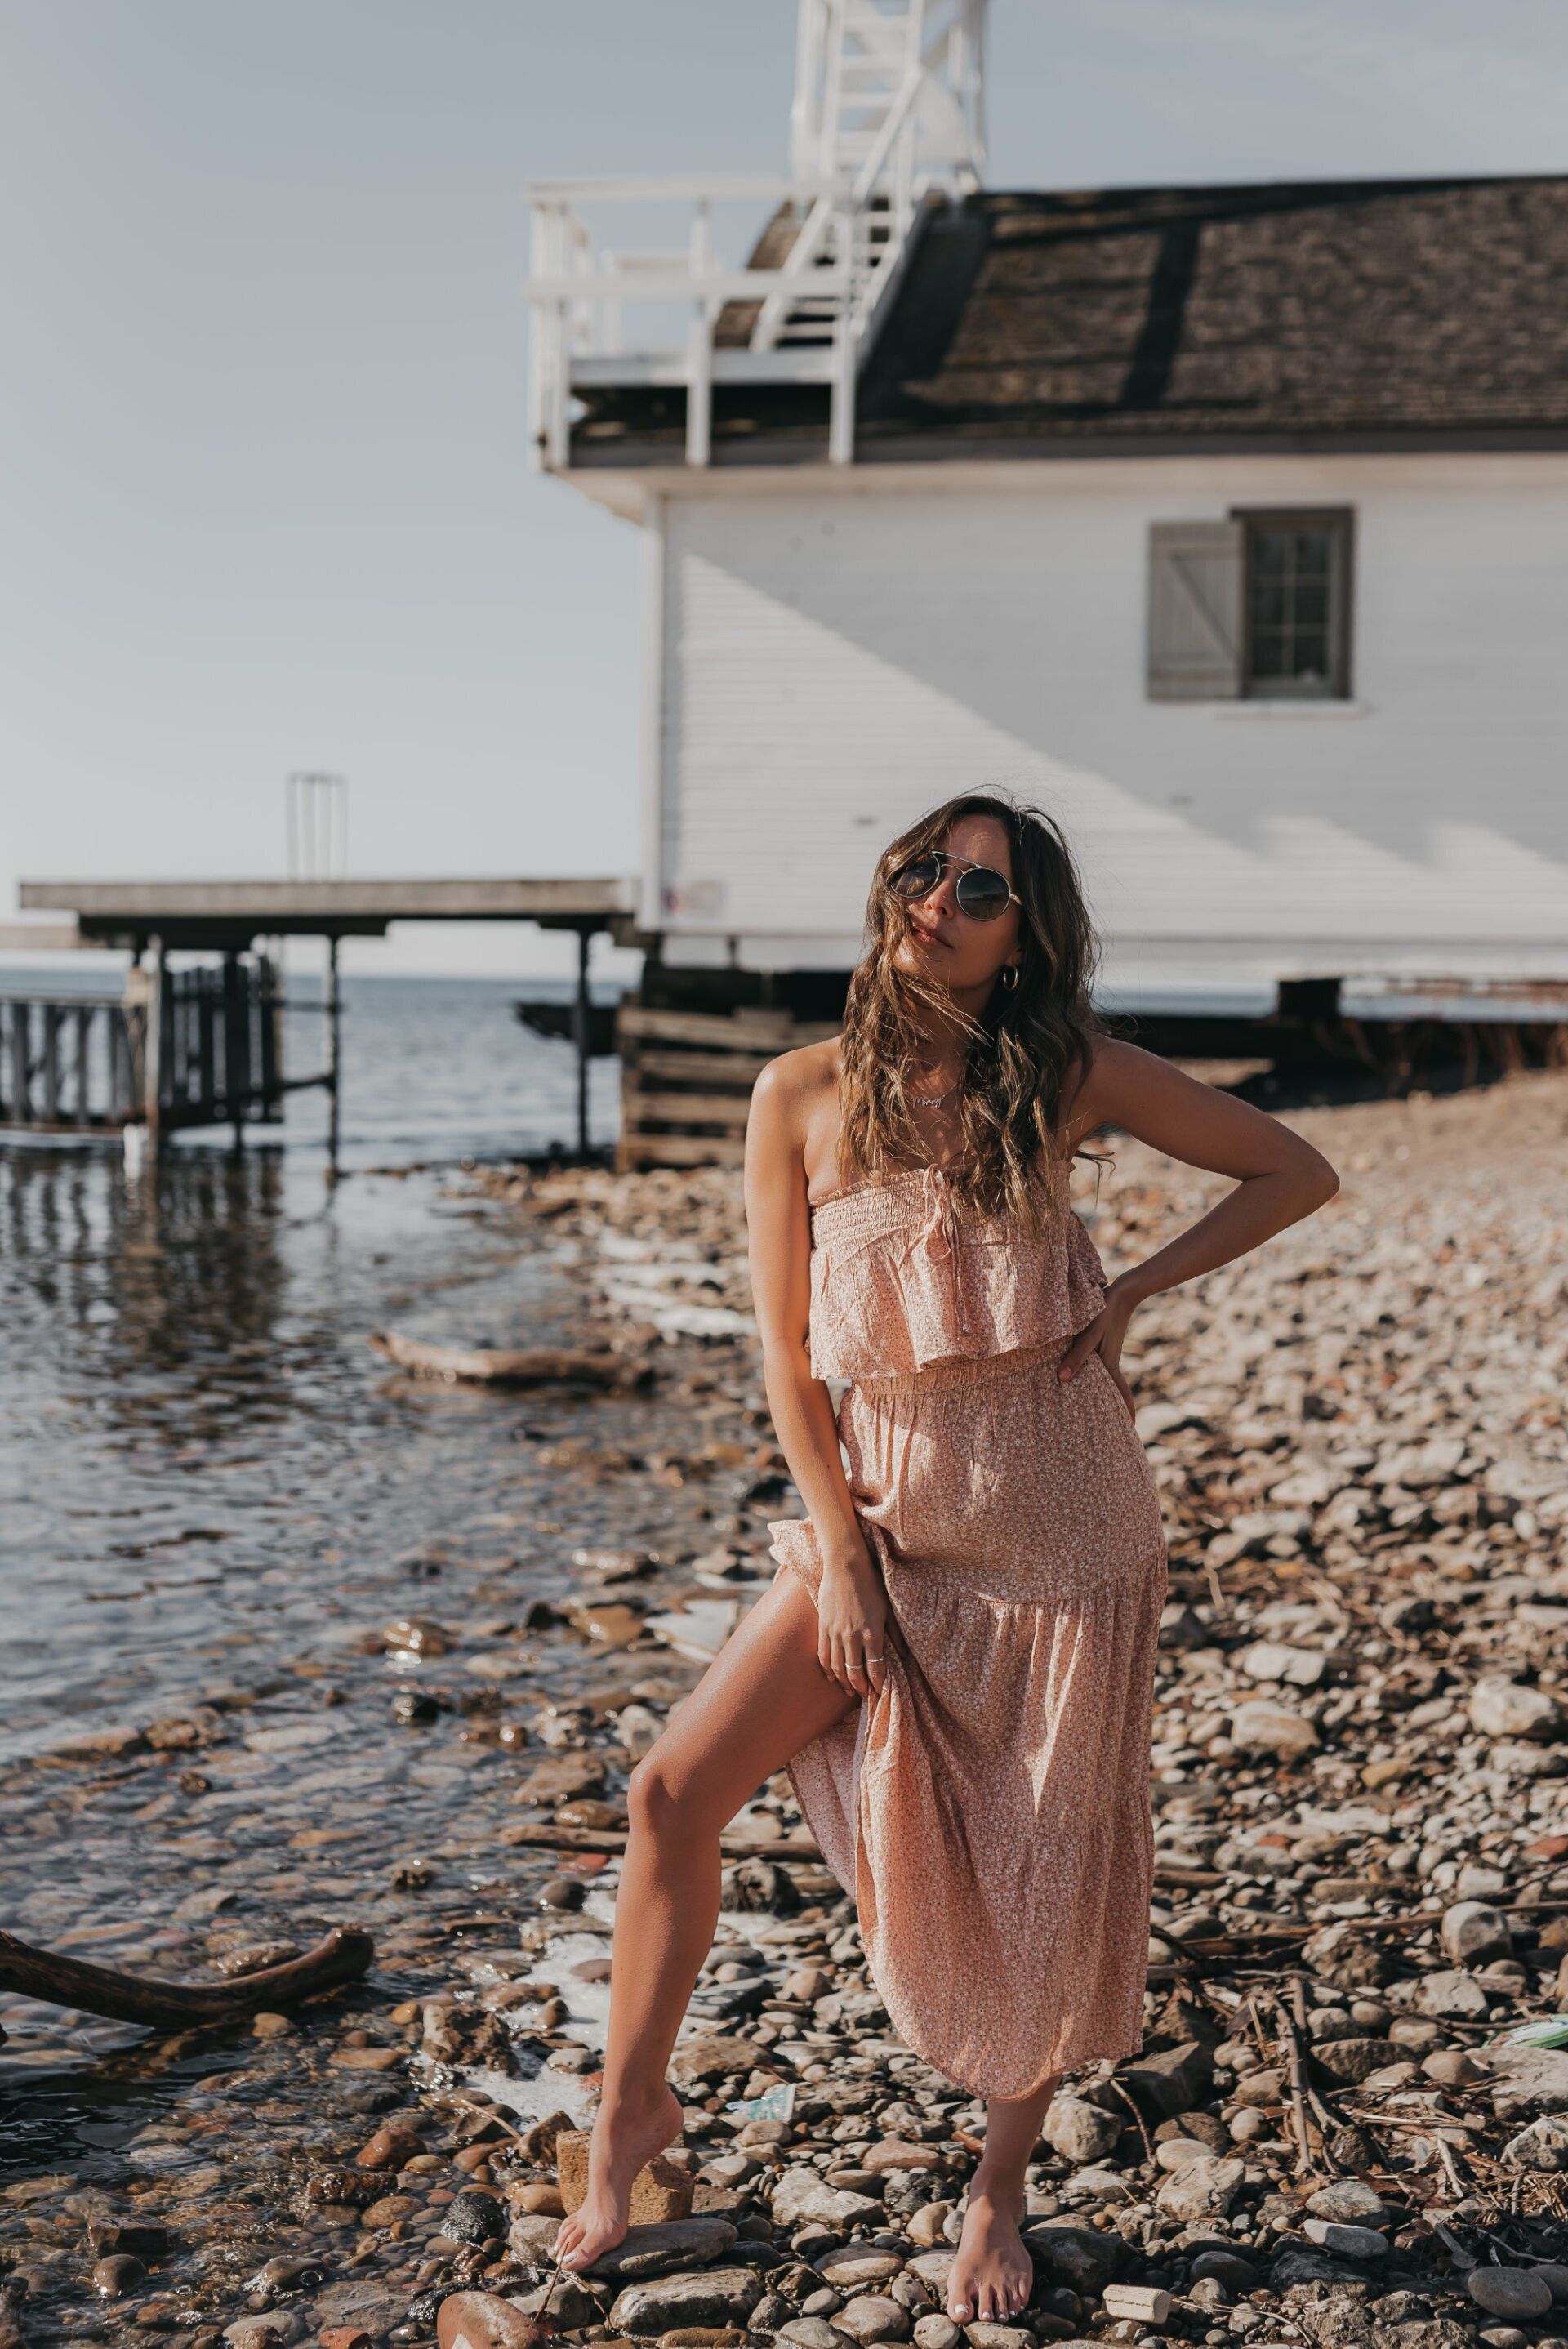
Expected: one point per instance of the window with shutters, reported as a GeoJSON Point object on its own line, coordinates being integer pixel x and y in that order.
{"type": "Point", "coordinates": [1297, 642]}
{"type": "Point", "coordinates": [1257, 604]}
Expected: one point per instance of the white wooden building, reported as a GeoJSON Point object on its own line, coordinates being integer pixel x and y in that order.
{"type": "Point", "coordinates": [1230, 524]}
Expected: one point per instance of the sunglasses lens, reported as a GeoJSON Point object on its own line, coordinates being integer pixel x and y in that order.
{"type": "Point", "coordinates": [918, 878]}
{"type": "Point", "coordinates": [982, 893]}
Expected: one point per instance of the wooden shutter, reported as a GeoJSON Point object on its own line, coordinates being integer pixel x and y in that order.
{"type": "Point", "coordinates": [1196, 621]}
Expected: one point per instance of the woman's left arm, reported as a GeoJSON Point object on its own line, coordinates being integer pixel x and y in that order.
{"type": "Point", "coordinates": [1279, 1178]}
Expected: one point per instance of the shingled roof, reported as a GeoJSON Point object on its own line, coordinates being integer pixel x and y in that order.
{"type": "Point", "coordinates": [1368, 314]}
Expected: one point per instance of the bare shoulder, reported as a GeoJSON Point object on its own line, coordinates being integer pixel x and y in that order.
{"type": "Point", "coordinates": [794, 1093]}
{"type": "Point", "coordinates": [1097, 1085]}
{"type": "Point", "coordinates": [797, 1079]}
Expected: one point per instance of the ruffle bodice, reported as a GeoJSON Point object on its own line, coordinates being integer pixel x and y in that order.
{"type": "Point", "coordinates": [904, 1274]}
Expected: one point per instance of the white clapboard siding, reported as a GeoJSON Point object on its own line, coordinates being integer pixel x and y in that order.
{"type": "Point", "coordinates": [837, 658]}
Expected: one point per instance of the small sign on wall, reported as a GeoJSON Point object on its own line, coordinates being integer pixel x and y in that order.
{"type": "Point", "coordinates": [701, 900]}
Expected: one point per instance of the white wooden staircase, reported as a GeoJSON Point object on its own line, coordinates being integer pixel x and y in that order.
{"type": "Point", "coordinates": [887, 116]}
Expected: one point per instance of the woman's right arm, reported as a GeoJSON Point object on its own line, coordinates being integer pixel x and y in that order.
{"type": "Point", "coordinates": [852, 1605]}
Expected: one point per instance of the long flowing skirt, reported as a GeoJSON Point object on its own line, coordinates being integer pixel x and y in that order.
{"type": "Point", "coordinates": [989, 1810]}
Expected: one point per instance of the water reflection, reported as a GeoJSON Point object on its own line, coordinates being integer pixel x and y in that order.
{"type": "Point", "coordinates": [196, 1427]}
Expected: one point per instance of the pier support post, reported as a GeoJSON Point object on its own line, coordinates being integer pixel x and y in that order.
{"type": "Point", "coordinates": [236, 1045]}
{"type": "Point", "coordinates": [332, 1042]}
{"type": "Point", "coordinates": [580, 1029]}
{"type": "Point", "coordinates": [153, 1049]}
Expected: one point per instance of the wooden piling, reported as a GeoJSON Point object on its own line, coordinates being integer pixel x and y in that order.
{"type": "Point", "coordinates": [580, 1032]}
{"type": "Point", "coordinates": [152, 1052]}
{"type": "Point", "coordinates": [331, 1041]}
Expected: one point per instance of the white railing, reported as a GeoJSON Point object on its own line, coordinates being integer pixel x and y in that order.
{"type": "Point", "coordinates": [815, 311]}
{"type": "Point", "coordinates": [887, 114]}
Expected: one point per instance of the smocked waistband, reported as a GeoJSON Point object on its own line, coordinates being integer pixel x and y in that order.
{"type": "Point", "coordinates": [968, 1370]}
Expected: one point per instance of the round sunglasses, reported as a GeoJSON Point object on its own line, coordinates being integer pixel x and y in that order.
{"type": "Point", "coordinates": [981, 890]}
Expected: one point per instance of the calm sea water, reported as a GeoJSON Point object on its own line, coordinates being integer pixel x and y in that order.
{"type": "Point", "coordinates": [193, 1423]}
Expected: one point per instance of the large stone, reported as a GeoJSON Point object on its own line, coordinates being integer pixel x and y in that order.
{"type": "Point", "coordinates": [713, 2055]}
{"type": "Point", "coordinates": [1080, 2257]}
{"type": "Point", "coordinates": [1079, 2132]}
{"type": "Point", "coordinates": [1295, 1667]}
{"type": "Point", "coordinates": [1351, 2060]}
{"type": "Point", "coordinates": [870, 2317]}
{"type": "Point", "coordinates": [1255, 2088]}
{"type": "Point", "coordinates": [1518, 2295]}
{"type": "Point", "coordinates": [1343, 2242]}
{"type": "Point", "coordinates": [858, 2266]}
{"type": "Point", "coordinates": [811, 2333]}
{"type": "Point", "coordinates": [562, 1778]}
{"type": "Point", "coordinates": [1454, 1996]}
{"type": "Point", "coordinates": [1500, 1708]}
{"type": "Point", "coordinates": [935, 2331]}
{"type": "Point", "coordinates": [1542, 2146]}
{"type": "Point", "coordinates": [1527, 2080]}
{"type": "Point", "coordinates": [660, 2250]}
{"type": "Point", "coordinates": [709, 2296]}
{"type": "Point", "coordinates": [1202, 2189]}
{"type": "Point", "coordinates": [473, 2216]}
{"type": "Point", "coordinates": [1261, 1731]}
{"type": "Point", "coordinates": [933, 2268]}
{"type": "Point", "coordinates": [1474, 1932]}
{"type": "Point", "coordinates": [482, 2320]}
{"type": "Point", "coordinates": [800, 2195]}
{"type": "Point", "coordinates": [1171, 2080]}
{"type": "Point", "coordinates": [1349, 2203]}
{"type": "Point", "coordinates": [531, 2237]}
{"type": "Point", "coordinates": [896, 2153]}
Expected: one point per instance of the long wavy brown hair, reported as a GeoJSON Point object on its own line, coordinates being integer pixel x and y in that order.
{"type": "Point", "coordinates": [1025, 1051]}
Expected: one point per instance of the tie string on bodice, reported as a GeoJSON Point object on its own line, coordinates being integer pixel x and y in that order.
{"type": "Point", "coordinates": [938, 1237]}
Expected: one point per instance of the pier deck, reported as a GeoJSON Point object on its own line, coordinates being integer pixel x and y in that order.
{"type": "Point", "coordinates": [228, 915]}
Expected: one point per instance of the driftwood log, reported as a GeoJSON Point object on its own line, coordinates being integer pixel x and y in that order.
{"type": "Point", "coordinates": [613, 1840]}
{"type": "Point", "coordinates": [493, 1366]}
{"type": "Point", "coordinates": [342, 1957]}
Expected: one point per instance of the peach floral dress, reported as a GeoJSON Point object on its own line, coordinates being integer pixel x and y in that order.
{"type": "Point", "coordinates": [989, 1810]}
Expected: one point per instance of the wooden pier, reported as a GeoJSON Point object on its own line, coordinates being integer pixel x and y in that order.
{"type": "Point", "coordinates": [203, 1047]}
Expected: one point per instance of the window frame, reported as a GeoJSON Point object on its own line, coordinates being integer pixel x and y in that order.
{"type": "Point", "coordinates": [1340, 523]}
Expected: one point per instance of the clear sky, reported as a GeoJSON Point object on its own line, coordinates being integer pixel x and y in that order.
{"type": "Point", "coordinates": [264, 498]}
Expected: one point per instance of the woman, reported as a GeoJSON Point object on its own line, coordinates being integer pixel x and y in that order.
{"type": "Point", "coordinates": [955, 1657]}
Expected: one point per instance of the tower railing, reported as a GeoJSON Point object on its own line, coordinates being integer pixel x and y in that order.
{"type": "Point", "coordinates": [886, 119]}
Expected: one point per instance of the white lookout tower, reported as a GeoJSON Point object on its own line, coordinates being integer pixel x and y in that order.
{"type": "Point", "coordinates": [887, 116]}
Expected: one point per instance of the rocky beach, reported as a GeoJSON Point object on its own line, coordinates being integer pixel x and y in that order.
{"type": "Point", "coordinates": [1341, 2130]}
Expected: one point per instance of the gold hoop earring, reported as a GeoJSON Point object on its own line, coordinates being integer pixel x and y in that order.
{"type": "Point", "coordinates": [1009, 975]}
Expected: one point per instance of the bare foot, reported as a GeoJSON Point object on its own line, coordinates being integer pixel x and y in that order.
{"type": "Point", "coordinates": [618, 2148]}
{"type": "Point", "coordinates": [992, 2274]}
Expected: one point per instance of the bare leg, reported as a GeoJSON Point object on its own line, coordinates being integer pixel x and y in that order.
{"type": "Point", "coordinates": [762, 1698]}
{"type": "Point", "coordinates": [992, 2274]}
